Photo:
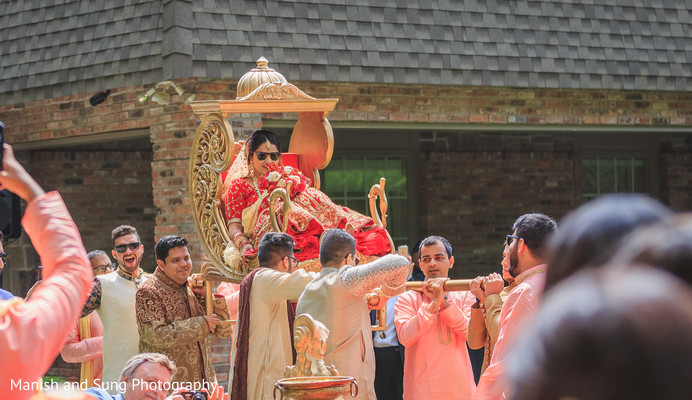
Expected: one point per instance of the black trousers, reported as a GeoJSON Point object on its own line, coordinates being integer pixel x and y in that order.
{"type": "Point", "coordinates": [389, 373]}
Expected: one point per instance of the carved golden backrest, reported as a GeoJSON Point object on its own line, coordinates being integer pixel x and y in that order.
{"type": "Point", "coordinates": [212, 153]}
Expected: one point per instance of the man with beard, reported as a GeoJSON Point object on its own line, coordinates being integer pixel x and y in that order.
{"type": "Point", "coordinates": [171, 315]}
{"type": "Point", "coordinates": [527, 247]}
{"type": "Point", "coordinates": [490, 292]}
{"type": "Point", "coordinates": [113, 297]}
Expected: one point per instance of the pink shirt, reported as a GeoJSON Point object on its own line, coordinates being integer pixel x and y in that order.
{"type": "Point", "coordinates": [79, 350]}
{"type": "Point", "coordinates": [32, 332]}
{"type": "Point", "coordinates": [518, 309]}
{"type": "Point", "coordinates": [231, 292]}
{"type": "Point", "coordinates": [436, 362]}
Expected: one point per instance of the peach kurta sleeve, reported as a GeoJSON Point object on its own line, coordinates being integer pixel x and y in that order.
{"type": "Point", "coordinates": [32, 332]}
{"type": "Point", "coordinates": [77, 350]}
{"type": "Point", "coordinates": [410, 319]}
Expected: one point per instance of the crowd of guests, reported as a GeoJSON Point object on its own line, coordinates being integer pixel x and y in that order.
{"type": "Point", "coordinates": [597, 309]}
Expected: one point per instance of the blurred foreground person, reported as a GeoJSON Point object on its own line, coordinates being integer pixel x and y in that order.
{"type": "Point", "coordinates": [590, 235]}
{"type": "Point", "coordinates": [32, 332]}
{"type": "Point", "coordinates": [608, 335]}
{"type": "Point", "coordinates": [667, 245]}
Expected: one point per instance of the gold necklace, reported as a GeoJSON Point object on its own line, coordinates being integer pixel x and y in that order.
{"type": "Point", "coordinates": [254, 184]}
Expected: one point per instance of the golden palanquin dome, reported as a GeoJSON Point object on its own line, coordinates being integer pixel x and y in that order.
{"type": "Point", "coordinates": [258, 76]}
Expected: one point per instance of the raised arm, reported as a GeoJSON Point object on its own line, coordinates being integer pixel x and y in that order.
{"type": "Point", "coordinates": [388, 272]}
{"type": "Point", "coordinates": [35, 330]}
{"type": "Point", "coordinates": [280, 286]}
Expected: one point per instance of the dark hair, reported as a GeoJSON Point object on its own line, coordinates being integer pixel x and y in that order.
{"type": "Point", "coordinates": [1, 236]}
{"type": "Point", "coordinates": [123, 230]}
{"type": "Point", "coordinates": [260, 137]}
{"type": "Point", "coordinates": [666, 245]}
{"type": "Point", "coordinates": [95, 253]}
{"type": "Point", "coordinates": [605, 335]}
{"type": "Point", "coordinates": [273, 247]}
{"type": "Point", "coordinates": [431, 240]}
{"type": "Point", "coordinates": [536, 230]}
{"type": "Point", "coordinates": [167, 243]}
{"type": "Point", "coordinates": [416, 247]}
{"type": "Point", "coordinates": [590, 235]}
{"type": "Point", "coordinates": [335, 245]}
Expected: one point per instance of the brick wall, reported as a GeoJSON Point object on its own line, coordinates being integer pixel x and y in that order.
{"type": "Point", "coordinates": [512, 106]}
{"type": "Point", "coordinates": [472, 193]}
{"type": "Point", "coordinates": [102, 190]}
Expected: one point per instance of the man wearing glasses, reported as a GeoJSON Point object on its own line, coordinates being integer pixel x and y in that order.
{"type": "Point", "coordinates": [4, 294]}
{"type": "Point", "coordinates": [113, 297]}
{"type": "Point", "coordinates": [263, 335]}
{"type": "Point", "coordinates": [526, 248]}
{"type": "Point", "coordinates": [337, 298]}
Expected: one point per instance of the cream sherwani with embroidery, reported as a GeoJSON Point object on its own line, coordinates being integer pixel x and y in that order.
{"type": "Point", "coordinates": [337, 299]}
{"type": "Point", "coordinates": [269, 344]}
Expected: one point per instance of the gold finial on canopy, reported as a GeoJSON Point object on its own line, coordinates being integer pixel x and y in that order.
{"type": "Point", "coordinates": [258, 76]}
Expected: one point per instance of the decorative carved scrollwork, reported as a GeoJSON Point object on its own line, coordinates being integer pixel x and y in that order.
{"type": "Point", "coordinates": [212, 153]}
{"type": "Point", "coordinates": [277, 91]}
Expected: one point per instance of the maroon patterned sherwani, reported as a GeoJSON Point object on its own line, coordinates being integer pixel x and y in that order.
{"type": "Point", "coordinates": [170, 318]}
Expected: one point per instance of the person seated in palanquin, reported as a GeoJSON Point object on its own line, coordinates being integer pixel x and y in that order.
{"type": "Point", "coordinates": [257, 170]}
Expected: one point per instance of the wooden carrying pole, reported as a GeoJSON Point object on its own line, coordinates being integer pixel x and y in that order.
{"type": "Point", "coordinates": [452, 285]}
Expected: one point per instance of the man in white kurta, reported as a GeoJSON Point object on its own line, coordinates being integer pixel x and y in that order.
{"type": "Point", "coordinates": [113, 297]}
{"type": "Point", "coordinates": [338, 299]}
{"type": "Point", "coordinates": [269, 340]}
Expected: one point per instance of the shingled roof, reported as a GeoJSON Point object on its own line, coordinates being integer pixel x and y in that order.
{"type": "Point", "coordinates": [78, 46]}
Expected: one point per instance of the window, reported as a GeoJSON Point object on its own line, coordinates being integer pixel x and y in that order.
{"type": "Point", "coordinates": [347, 181]}
{"type": "Point", "coordinates": [601, 175]}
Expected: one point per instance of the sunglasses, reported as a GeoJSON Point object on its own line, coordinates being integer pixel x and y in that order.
{"type": "Point", "coordinates": [3, 257]}
{"type": "Point", "coordinates": [355, 258]}
{"type": "Point", "coordinates": [293, 258]}
{"type": "Point", "coordinates": [510, 238]}
{"type": "Point", "coordinates": [263, 156]}
{"type": "Point", "coordinates": [121, 248]}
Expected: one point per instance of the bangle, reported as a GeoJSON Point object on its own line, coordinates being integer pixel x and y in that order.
{"type": "Point", "coordinates": [239, 240]}
{"type": "Point", "coordinates": [236, 236]}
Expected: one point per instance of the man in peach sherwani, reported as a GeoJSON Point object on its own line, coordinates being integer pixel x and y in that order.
{"type": "Point", "coordinates": [432, 327]}
{"type": "Point", "coordinates": [527, 251]}
{"type": "Point", "coordinates": [32, 332]}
